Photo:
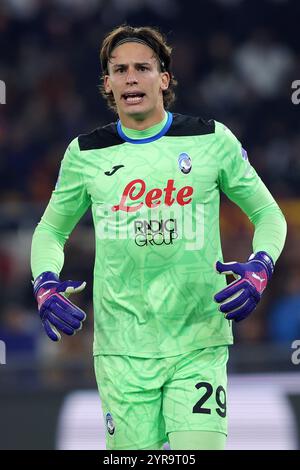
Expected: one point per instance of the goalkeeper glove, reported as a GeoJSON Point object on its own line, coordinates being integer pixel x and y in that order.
{"type": "Point", "coordinates": [56, 311]}
{"type": "Point", "coordinates": [241, 297]}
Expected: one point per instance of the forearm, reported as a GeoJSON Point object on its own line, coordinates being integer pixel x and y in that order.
{"type": "Point", "coordinates": [270, 232]}
{"type": "Point", "coordinates": [269, 222]}
{"type": "Point", "coordinates": [50, 236]}
{"type": "Point", "coordinates": [47, 251]}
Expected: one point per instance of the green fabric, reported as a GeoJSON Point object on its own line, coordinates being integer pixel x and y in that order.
{"type": "Point", "coordinates": [162, 396]}
{"type": "Point", "coordinates": [197, 440]}
{"type": "Point", "coordinates": [269, 222]}
{"type": "Point", "coordinates": [154, 277]}
{"type": "Point", "coordinates": [48, 241]}
{"type": "Point", "coordinates": [153, 130]}
{"type": "Point", "coordinates": [156, 446]}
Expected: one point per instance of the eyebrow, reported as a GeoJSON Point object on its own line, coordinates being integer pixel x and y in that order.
{"type": "Point", "coordinates": [114, 66]}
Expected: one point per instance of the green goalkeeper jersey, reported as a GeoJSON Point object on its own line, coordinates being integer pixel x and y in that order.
{"type": "Point", "coordinates": [154, 197]}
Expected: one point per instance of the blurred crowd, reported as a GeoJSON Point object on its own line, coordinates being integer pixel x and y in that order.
{"type": "Point", "coordinates": [235, 61]}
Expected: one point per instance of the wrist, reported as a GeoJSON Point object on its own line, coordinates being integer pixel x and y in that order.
{"type": "Point", "coordinates": [46, 279]}
{"type": "Point", "coordinates": [265, 260]}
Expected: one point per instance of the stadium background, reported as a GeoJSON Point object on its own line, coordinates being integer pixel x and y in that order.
{"type": "Point", "coordinates": [235, 61]}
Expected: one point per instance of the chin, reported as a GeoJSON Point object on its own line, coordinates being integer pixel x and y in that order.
{"type": "Point", "coordinates": [138, 114]}
{"type": "Point", "coordinates": [135, 107]}
{"type": "Point", "coordinates": [138, 111]}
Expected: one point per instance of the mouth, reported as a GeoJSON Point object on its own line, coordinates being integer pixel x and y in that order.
{"type": "Point", "coordinates": [133, 97]}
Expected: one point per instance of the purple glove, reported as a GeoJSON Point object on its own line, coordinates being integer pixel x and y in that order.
{"type": "Point", "coordinates": [56, 311]}
{"type": "Point", "coordinates": [241, 297]}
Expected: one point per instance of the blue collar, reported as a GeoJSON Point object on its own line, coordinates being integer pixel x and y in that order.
{"type": "Point", "coordinates": [160, 134]}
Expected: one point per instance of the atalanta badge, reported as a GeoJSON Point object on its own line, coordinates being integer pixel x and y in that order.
{"type": "Point", "coordinates": [184, 163]}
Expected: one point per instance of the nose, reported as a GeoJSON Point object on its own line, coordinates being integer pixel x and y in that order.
{"type": "Point", "coordinates": [131, 77]}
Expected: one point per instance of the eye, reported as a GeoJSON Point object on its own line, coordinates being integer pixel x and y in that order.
{"type": "Point", "coordinates": [142, 68]}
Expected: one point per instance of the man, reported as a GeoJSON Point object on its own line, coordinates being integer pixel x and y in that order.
{"type": "Point", "coordinates": [153, 181]}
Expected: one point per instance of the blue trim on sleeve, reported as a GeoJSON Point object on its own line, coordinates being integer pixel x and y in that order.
{"type": "Point", "coordinates": [160, 134]}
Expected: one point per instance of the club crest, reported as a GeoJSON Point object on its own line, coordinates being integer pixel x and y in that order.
{"type": "Point", "coordinates": [244, 154]}
{"type": "Point", "coordinates": [184, 163]}
{"type": "Point", "coordinates": [110, 425]}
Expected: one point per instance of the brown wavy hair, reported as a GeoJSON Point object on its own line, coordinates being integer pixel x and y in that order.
{"type": "Point", "coordinates": [155, 40]}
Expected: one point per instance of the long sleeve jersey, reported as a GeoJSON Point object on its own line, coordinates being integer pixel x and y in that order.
{"type": "Point", "coordinates": [155, 197]}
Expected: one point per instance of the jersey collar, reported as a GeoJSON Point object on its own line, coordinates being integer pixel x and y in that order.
{"type": "Point", "coordinates": [144, 140]}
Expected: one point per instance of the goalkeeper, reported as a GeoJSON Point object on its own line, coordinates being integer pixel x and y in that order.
{"type": "Point", "coordinates": [163, 313]}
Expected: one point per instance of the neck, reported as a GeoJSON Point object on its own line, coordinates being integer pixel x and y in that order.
{"type": "Point", "coordinates": [142, 122]}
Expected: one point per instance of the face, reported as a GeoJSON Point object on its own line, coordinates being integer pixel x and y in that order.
{"type": "Point", "coordinates": [136, 82]}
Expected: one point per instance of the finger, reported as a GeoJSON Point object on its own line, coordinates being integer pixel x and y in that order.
{"type": "Point", "coordinates": [67, 308]}
{"type": "Point", "coordinates": [230, 290]}
{"type": "Point", "coordinates": [71, 287]}
{"type": "Point", "coordinates": [66, 313]}
{"type": "Point", "coordinates": [242, 312]}
{"type": "Point", "coordinates": [235, 301]}
{"type": "Point", "coordinates": [51, 331]}
{"type": "Point", "coordinates": [71, 309]}
{"type": "Point", "coordinates": [60, 324]}
{"type": "Point", "coordinates": [228, 268]}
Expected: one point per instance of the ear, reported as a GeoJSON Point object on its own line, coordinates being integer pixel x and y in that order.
{"type": "Point", "coordinates": [165, 80]}
{"type": "Point", "coordinates": [106, 84]}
